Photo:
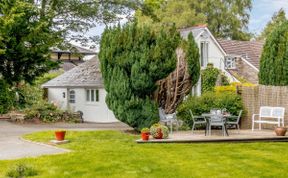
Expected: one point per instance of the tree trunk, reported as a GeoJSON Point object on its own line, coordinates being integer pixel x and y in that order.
{"type": "Point", "coordinates": [172, 90]}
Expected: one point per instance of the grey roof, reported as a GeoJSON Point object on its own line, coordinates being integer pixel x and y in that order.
{"type": "Point", "coordinates": [196, 31]}
{"type": "Point", "coordinates": [250, 50]}
{"type": "Point", "coordinates": [74, 49]}
{"type": "Point", "coordinates": [87, 74]}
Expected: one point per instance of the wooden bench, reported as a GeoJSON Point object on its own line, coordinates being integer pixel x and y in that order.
{"type": "Point", "coordinates": [269, 115]}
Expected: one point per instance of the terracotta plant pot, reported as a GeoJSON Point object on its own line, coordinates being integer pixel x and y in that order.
{"type": "Point", "coordinates": [145, 135]}
{"type": "Point", "coordinates": [60, 135]}
{"type": "Point", "coordinates": [280, 131]}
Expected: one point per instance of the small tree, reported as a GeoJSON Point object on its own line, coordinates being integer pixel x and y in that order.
{"type": "Point", "coordinates": [132, 60]}
{"type": "Point", "coordinates": [24, 41]}
{"type": "Point", "coordinates": [274, 58]}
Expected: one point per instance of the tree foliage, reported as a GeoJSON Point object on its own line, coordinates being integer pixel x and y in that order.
{"type": "Point", "coordinates": [277, 19]}
{"type": "Point", "coordinates": [132, 60]}
{"type": "Point", "coordinates": [25, 39]}
{"type": "Point", "coordinates": [193, 56]}
{"type": "Point", "coordinates": [6, 97]}
{"type": "Point", "coordinates": [75, 17]}
{"type": "Point", "coordinates": [225, 19]}
{"type": "Point", "coordinates": [274, 58]}
{"type": "Point", "coordinates": [211, 77]}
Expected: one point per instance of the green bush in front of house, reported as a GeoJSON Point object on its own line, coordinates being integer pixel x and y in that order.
{"type": "Point", "coordinates": [204, 103]}
{"type": "Point", "coordinates": [48, 112]}
{"type": "Point", "coordinates": [209, 77]}
{"type": "Point", "coordinates": [6, 97]}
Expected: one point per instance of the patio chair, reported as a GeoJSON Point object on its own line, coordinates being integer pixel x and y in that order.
{"type": "Point", "coordinates": [198, 120]}
{"type": "Point", "coordinates": [219, 121]}
{"type": "Point", "coordinates": [169, 119]}
{"type": "Point", "coordinates": [234, 120]}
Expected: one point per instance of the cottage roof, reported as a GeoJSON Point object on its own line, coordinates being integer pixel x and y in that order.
{"type": "Point", "coordinates": [74, 49]}
{"type": "Point", "coordinates": [196, 31]}
{"type": "Point", "coordinates": [87, 74]}
{"type": "Point", "coordinates": [249, 50]}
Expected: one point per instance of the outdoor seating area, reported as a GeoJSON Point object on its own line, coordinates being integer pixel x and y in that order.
{"type": "Point", "coordinates": [216, 118]}
{"type": "Point", "coordinates": [219, 125]}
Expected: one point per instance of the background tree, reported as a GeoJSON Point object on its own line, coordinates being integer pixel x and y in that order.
{"type": "Point", "coordinates": [132, 60]}
{"type": "Point", "coordinates": [75, 17]}
{"type": "Point", "coordinates": [225, 19]}
{"type": "Point", "coordinates": [274, 58]}
{"type": "Point", "coordinates": [25, 39]}
{"type": "Point", "coordinates": [277, 19]}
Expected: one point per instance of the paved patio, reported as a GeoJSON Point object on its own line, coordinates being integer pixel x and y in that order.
{"type": "Point", "coordinates": [216, 136]}
{"type": "Point", "coordinates": [13, 147]}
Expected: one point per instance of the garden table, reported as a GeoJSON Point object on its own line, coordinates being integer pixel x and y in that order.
{"type": "Point", "coordinates": [216, 120]}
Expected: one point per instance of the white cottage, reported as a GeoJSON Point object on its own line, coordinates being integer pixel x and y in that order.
{"type": "Point", "coordinates": [210, 52]}
{"type": "Point", "coordinates": [81, 89]}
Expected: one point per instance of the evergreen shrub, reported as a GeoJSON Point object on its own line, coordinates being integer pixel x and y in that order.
{"type": "Point", "coordinates": [274, 58]}
{"type": "Point", "coordinates": [132, 60]}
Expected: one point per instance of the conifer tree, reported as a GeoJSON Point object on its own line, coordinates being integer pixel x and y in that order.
{"type": "Point", "coordinates": [132, 60]}
{"type": "Point", "coordinates": [274, 59]}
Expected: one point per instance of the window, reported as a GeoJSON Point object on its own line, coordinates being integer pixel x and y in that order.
{"type": "Point", "coordinates": [204, 54]}
{"type": "Point", "coordinates": [92, 95]}
{"type": "Point", "coordinates": [71, 96]}
{"type": "Point", "coordinates": [230, 62]}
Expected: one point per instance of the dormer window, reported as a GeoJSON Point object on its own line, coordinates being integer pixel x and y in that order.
{"type": "Point", "coordinates": [230, 62]}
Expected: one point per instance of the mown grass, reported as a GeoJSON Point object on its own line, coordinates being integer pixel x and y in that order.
{"type": "Point", "coordinates": [115, 154]}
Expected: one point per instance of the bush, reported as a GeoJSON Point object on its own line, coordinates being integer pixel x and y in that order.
{"type": "Point", "coordinates": [21, 170]}
{"type": "Point", "coordinates": [47, 112]}
{"type": "Point", "coordinates": [157, 129]}
{"type": "Point", "coordinates": [204, 103]}
{"type": "Point", "coordinates": [232, 87]}
{"type": "Point", "coordinates": [6, 97]}
{"type": "Point", "coordinates": [32, 94]}
{"type": "Point", "coordinates": [209, 77]}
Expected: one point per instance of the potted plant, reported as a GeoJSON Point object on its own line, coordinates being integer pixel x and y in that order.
{"type": "Point", "coordinates": [159, 131]}
{"type": "Point", "coordinates": [280, 131]}
{"type": "Point", "coordinates": [145, 134]}
{"type": "Point", "coordinates": [60, 135]}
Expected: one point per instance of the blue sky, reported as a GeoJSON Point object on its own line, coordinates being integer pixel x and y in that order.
{"type": "Point", "coordinates": [262, 12]}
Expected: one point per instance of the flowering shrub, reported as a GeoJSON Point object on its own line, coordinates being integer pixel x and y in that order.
{"type": "Point", "coordinates": [158, 131]}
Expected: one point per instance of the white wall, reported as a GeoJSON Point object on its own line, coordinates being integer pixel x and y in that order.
{"type": "Point", "coordinates": [215, 56]}
{"type": "Point", "coordinates": [92, 112]}
{"type": "Point", "coordinates": [55, 95]}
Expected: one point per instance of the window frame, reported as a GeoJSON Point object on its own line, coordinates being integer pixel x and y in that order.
{"type": "Point", "coordinates": [230, 62]}
{"type": "Point", "coordinates": [92, 96]}
{"type": "Point", "coordinates": [204, 53]}
{"type": "Point", "coordinates": [72, 100]}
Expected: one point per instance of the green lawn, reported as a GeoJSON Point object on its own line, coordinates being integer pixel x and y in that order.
{"type": "Point", "coordinates": [115, 154]}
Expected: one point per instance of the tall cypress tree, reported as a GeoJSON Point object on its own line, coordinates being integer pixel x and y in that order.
{"type": "Point", "coordinates": [274, 59]}
{"type": "Point", "coordinates": [132, 60]}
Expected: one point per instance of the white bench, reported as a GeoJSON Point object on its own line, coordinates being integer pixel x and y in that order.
{"type": "Point", "coordinates": [269, 115]}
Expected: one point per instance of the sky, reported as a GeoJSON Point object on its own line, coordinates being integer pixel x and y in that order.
{"type": "Point", "coordinates": [262, 11]}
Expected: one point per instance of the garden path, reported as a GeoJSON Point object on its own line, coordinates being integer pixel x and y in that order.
{"type": "Point", "coordinates": [13, 147]}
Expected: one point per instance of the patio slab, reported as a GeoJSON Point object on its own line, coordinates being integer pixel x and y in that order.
{"type": "Point", "coordinates": [234, 136]}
